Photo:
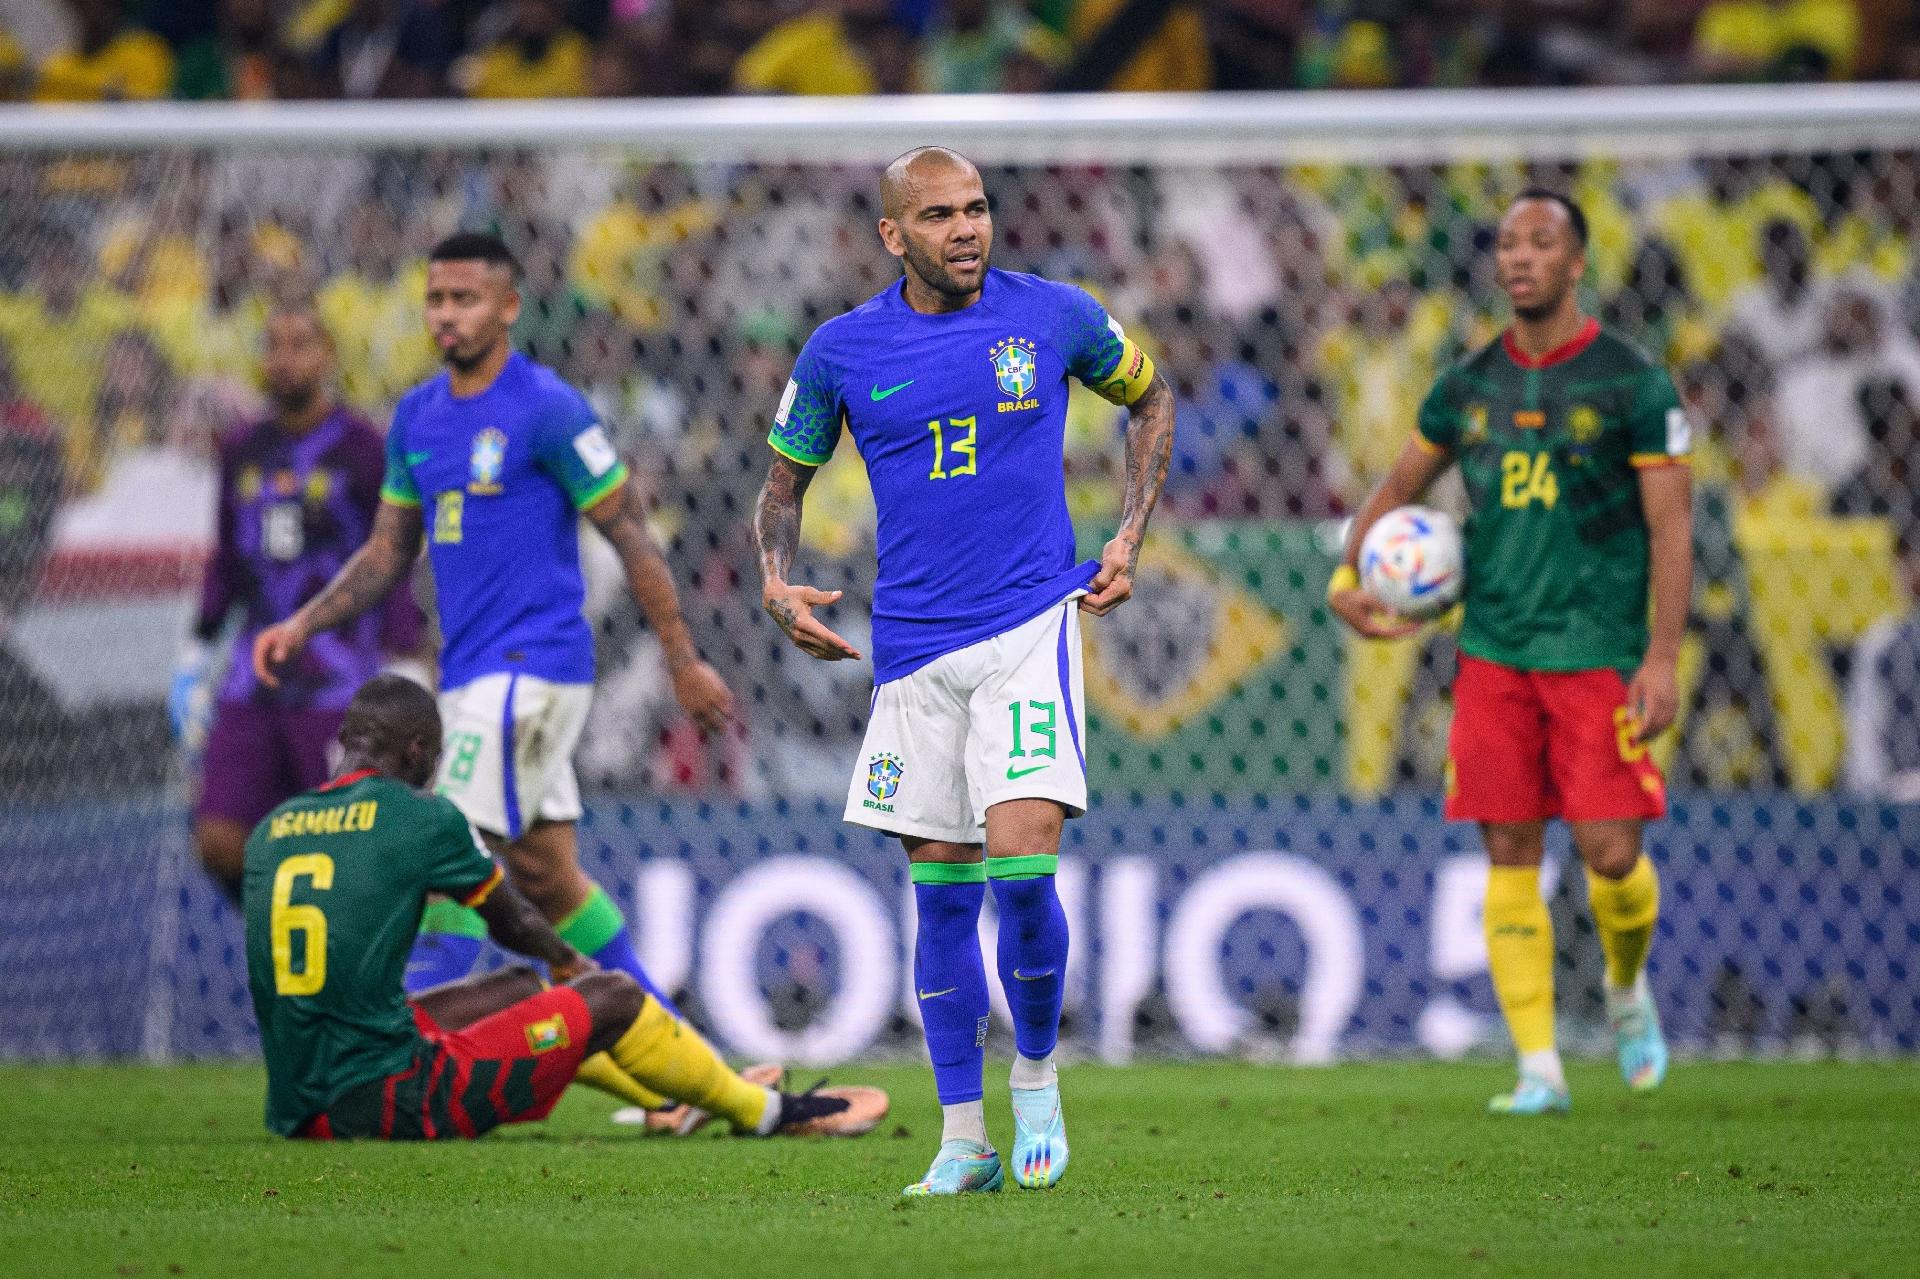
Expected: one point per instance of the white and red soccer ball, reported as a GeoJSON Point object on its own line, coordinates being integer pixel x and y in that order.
{"type": "Point", "coordinates": [1411, 561]}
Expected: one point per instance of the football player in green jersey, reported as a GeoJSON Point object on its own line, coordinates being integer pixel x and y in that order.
{"type": "Point", "coordinates": [1574, 451]}
{"type": "Point", "coordinates": [334, 886]}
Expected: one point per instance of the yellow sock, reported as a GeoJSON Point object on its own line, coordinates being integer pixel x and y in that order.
{"type": "Point", "coordinates": [1623, 913]}
{"type": "Point", "coordinates": [599, 1071]}
{"type": "Point", "coordinates": [1520, 955]}
{"type": "Point", "coordinates": [664, 1054]}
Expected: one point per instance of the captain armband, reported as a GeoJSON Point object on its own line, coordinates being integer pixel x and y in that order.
{"type": "Point", "coordinates": [1130, 377]}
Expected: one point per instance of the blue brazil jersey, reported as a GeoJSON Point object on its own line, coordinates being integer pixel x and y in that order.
{"type": "Point", "coordinates": [501, 476]}
{"type": "Point", "coordinates": [961, 420]}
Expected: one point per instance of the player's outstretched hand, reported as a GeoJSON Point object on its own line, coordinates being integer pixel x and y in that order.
{"type": "Point", "coordinates": [704, 696]}
{"type": "Point", "coordinates": [1112, 586]}
{"type": "Point", "coordinates": [1653, 699]}
{"type": "Point", "coordinates": [1358, 608]}
{"type": "Point", "coordinates": [275, 647]}
{"type": "Point", "coordinates": [792, 607]}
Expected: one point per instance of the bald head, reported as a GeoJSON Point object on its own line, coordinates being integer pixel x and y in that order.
{"type": "Point", "coordinates": [934, 217]}
{"type": "Point", "coordinates": [908, 174]}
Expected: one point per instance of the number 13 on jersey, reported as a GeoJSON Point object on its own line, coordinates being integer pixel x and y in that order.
{"type": "Point", "coordinates": [947, 439]}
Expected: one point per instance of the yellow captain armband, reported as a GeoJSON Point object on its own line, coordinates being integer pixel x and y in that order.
{"type": "Point", "coordinates": [1130, 377]}
{"type": "Point", "coordinates": [1345, 578]}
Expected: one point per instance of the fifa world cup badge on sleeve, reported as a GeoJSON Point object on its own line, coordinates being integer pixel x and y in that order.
{"type": "Point", "coordinates": [595, 450]}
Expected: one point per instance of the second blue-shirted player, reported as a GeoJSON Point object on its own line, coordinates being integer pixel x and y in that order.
{"type": "Point", "coordinates": [491, 463]}
{"type": "Point", "coordinates": [953, 384]}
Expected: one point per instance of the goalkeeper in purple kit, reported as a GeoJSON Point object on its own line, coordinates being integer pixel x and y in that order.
{"type": "Point", "coordinates": [298, 490]}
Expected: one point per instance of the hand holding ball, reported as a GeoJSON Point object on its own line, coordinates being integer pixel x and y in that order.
{"type": "Point", "coordinates": [1411, 562]}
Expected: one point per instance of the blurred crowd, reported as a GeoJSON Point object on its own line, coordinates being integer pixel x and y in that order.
{"type": "Point", "coordinates": [1301, 313]}
{"type": "Point", "coordinates": [110, 50]}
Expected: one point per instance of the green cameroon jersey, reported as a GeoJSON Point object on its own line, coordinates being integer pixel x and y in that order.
{"type": "Point", "coordinates": [335, 883]}
{"type": "Point", "coordinates": [1556, 540]}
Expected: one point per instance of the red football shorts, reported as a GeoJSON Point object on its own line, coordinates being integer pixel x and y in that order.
{"type": "Point", "coordinates": [1530, 745]}
{"type": "Point", "coordinates": [506, 1068]}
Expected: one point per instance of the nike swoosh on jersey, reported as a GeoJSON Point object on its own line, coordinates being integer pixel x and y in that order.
{"type": "Point", "coordinates": [879, 394]}
{"type": "Point", "coordinates": [415, 459]}
{"type": "Point", "coordinates": [1020, 976]}
{"type": "Point", "coordinates": [1014, 776]}
{"type": "Point", "coordinates": [935, 994]}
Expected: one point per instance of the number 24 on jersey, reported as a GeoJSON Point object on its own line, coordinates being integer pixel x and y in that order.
{"type": "Point", "coordinates": [1526, 478]}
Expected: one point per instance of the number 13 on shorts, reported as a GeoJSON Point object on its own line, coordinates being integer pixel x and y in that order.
{"type": "Point", "coordinates": [1039, 726]}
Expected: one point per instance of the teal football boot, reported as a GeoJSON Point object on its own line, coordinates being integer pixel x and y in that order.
{"type": "Point", "coordinates": [961, 1167]}
{"type": "Point", "coordinates": [1643, 1049]}
{"type": "Point", "coordinates": [1039, 1137]}
{"type": "Point", "coordinates": [1534, 1096]}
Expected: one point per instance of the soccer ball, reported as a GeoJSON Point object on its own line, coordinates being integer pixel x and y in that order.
{"type": "Point", "coordinates": [1410, 561]}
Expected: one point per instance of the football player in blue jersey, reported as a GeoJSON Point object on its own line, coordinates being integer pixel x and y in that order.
{"type": "Point", "coordinates": [953, 383]}
{"type": "Point", "coordinates": [491, 462]}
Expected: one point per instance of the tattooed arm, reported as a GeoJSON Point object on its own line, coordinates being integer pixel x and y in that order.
{"type": "Point", "coordinates": [776, 530]}
{"type": "Point", "coordinates": [1149, 449]}
{"type": "Point", "coordinates": [362, 582]}
{"type": "Point", "coordinates": [699, 688]}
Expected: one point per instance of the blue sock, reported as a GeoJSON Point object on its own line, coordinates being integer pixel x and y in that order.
{"type": "Point", "coordinates": [451, 938]}
{"type": "Point", "coordinates": [619, 954]}
{"type": "Point", "coordinates": [1033, 949]}
{"type": "Point", "coordinates": [949, 975]}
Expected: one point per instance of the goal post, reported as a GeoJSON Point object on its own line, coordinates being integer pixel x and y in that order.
{"type": "Point", "coordinates": [1264, 870]}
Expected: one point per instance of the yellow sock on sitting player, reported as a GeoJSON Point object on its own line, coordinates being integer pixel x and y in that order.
{"type": "Point", "coordinates": [1520, 955]}
{"type": "Point", "coordinates": [663, 1053]}
{"type": "Point", "coordinates": [1624, 911]}
{"type": "Point", "coordinates": [599, 1071]}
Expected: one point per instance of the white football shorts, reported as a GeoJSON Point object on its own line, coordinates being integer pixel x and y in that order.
{"type": "Point", "coordinates": [507, 759]}
{"type": "Point", "coordinates": [1001, 719]}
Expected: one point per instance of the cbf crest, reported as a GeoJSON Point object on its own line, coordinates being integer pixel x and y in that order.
{"type": "Point", "coordinates": [1016, 372]}
{"type": "Point", "coordinates": [883, 775]}
{"type": "Point", "coordinates": [487, 461]}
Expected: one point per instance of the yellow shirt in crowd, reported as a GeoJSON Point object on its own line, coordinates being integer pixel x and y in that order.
{"type": "Point", "coordinates": [1174, 59]}
{"type": "Point", "coordinates": [1719, 243]}
{"type": "Point", "coordinates": [810, 56]}
{"type": "Point", "coordinates": [560, 72]}
{"type": "Point", "coordinates": [380, 333]}
{"type": "Point", "coordinates": [1756, 32]}
{"type": "Point", "coordinates": [618, 258]}
{"type": "Point", "coordinates": [135, 64]}
{"type": "Point", "coordinates": [57, 357]}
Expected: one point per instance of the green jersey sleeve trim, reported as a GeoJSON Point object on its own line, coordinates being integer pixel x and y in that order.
{"type": "Point", "coordinates": [591, 497]}
{"type": "Point", "coordinates": [773, 439]}
{"type": "Point", "coordinates": [390, 494]}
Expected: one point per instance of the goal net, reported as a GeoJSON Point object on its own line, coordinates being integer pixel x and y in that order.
{"type": "Point", "coordinates": [1264, 870]}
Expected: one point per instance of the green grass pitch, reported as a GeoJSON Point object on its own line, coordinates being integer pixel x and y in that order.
{"type": "Point", "coordinates": [1199, 1170]}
